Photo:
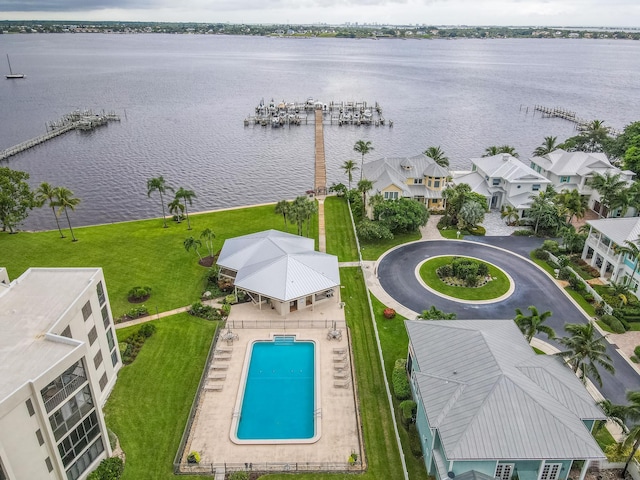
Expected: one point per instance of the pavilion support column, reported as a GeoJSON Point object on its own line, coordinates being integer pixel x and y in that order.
{"type": "Point", "coordinates": [259, 302]}
{"type": "Point", "coordinates": [585, 467]}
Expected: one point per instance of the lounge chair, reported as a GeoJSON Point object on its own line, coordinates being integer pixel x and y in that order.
{"type": "Point", "coordinates": [339, 350]}
{"type": "Point", "coordinates": [341, 374]}
{"type": "Point", "coordinates": [340, 366]}
{"type": "Point", "coordinates": [218, 376]}
{"type": "Point", "coordinates": [341, 358]}
{"type": "Point", "coordinates": [219, 366]}
{"type": "Point", "coordinates": [342, 384]}
{"type": "Point", "coordinates": [213, 388]}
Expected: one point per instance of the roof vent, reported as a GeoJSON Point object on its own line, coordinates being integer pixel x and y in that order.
{"type": "Point", "coordinates": [505, 157]}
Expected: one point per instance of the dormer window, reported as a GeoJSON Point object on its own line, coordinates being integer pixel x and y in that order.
{"type": "Point", "coordinates": [496, 181]}
{"type": "Point", "coordinates": [535, 187]}
{"type": "Point", "coordinates": [417, 181]}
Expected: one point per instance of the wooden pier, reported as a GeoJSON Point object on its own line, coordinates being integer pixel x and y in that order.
{"type": "Point", "coordinates": [77, 120]}
{"type": "Point", "coordinates": [320, 182]}
{"type": "Point", "coordinates": [557, 112]}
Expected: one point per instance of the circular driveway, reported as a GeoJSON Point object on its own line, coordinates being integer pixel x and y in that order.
{"type": "Point", "coordinates": [396, 274]}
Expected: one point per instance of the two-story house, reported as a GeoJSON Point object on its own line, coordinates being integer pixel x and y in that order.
{"type": "Point", "coordinates": [488, 407]}
{"type": "Point", "coordinates": [59, 361]}
{"type": "Point", "coordinates": [503, 180]}
{"type": "Point", "coordinates": [418, 177]}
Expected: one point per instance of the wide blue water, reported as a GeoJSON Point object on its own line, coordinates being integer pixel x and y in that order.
{"type": "Point", "coordinates": [183, 99]}
{"type": "Point", "coordinates": [279, 396]}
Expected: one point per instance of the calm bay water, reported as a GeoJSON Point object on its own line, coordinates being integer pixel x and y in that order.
{"type": "Point", "coordinates": [183, 99]}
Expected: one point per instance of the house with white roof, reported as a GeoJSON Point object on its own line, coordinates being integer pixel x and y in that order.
{"type": "Point", "coordinates": [59, 361]}
{"type": "Point", "coordinates": [573, 170]}
{"type": "Point", "coordinates": [488, 407]}
{"type": "Point", "coordinates": [503, 180]}
{"type": "Point", "coordinates": [281, 270]}
{"type": "Point", "coordinates": [418, 177]}
{"type": "Point", "coordinates": [601, 248]}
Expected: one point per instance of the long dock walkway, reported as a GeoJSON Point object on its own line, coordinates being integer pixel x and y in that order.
{"type": "Point", "coordinates": [320, 181]}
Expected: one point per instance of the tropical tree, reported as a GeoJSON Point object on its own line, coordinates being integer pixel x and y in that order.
{"type": "Point", "coordinates": [436, 154]}
{"type": "Point", "coordinates": [16, 198]}
{"type": "Point", "coordinates": [548, 146]}
{"type": "Point", "coordinates": [573, 203]}
{"type": "Point", "coordinates": [494, 150]}
{"type": "Point", "coordinates": [631, 249]}
{"type": "Point", "coordinates": [532, 324]}
{"type": "Point", "coordinates": [457, 196]}
{"type": "Point", "coordinates": [207, 235]}
{"type": "Point", "coordinates": [364, 186]}
{"type": "Point", "coordinates": [186, 196]}
{"type": "Point", "coordinates": [596, 135]}
{"type": "Point", "coordinates": [544, 211]}
{"type": "Point", "coordinates": [585, 351]}
{"type": "Point", "coordinates": [349, 166]}
{"type": "Point", "coordinates": [192, 243]}
{"type": "Point", "coordinates": [66, 201]}
{"type": "Point", "coordinates": [301, 210]}
{"type": "Point", "coordinates": [282, 208]}
{"type": "Point", "coordinates": [46, 195]}
{"type": "Point", "coordinates": [610, 186]}
{"type": "Point", "coordinates": [614, 413]}
{"type": "Point", "coordinates": [632, 413]}
{"type": "Point", "coordinates": [471, 213]}
{"type": "Point", "coordinates": [434, 314]}
{"type": "Point", "coordinates": [400, 216]}
{"type": "Point", "coordinates": [159, 185]}
{"type": "Point", "coordinates": [572, 241]}
{"type": "Point", "coordinates": [362, 148]}
{"type": "Point", "coordinates": [510, 213]}
{"type": "Point", "coordinates": [176, 208]}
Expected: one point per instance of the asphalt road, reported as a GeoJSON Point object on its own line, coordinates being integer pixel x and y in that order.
{"type": "Point", "coordinates": [532, 287]}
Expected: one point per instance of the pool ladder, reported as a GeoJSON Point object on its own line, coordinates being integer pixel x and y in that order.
{"type": "Point", "coordinates": [318, 413]}
{"type": "Point", "coordinates": [236, 414]}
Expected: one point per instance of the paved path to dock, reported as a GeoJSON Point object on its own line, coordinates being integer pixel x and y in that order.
{"type": "Point", "coordinates": [320, 181]}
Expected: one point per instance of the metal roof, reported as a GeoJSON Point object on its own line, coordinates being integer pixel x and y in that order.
{"type": "Point", "coordinates": [491, 397]}
{"type": "Point", "coordinates": [279, 265]}
{"type": "Point", "coordinates": [618, 229]}
{"type": "Point", "coordinates": [509, 168]}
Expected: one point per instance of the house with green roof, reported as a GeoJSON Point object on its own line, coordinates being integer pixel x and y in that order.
{"type": "Point", "coordinates": [489, 407]}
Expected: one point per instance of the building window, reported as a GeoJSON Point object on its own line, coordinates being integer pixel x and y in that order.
{"type": "Point", "coordinates": [97, 360]}
{"type": "Point", "coordinates": [85, 460]}
{"type": "Point", "coordinates": [436, 184]}
{"type": "Point", "coordinates": [30, 409]}
{"type": "Point", "coordinates": [417, 181]}
{"type": "Point", "coordinates": [535, 187]}
{"type": "Point", "coordinates": [86, 311]}
{"type": "Point", "coordinates": [78, 439]}
{"type": "Point", "coordinates": [39, 437]}
{"type": "Point", "coordinates": [93, 334]}
{"type": "Point", "coordinates": [565, 179]}
{"type": "Point", "coordinates": [103, 381]}
{"type": "Point", "coordinates": [429, 183]}
{"type": "Point", "coordinates": [105, 317]}
{"type": "Point", "coordinates": [114, 357]}
{"type": "Point", "coordinates": [496, 181]}
{"type": "Point", "coordinates": [66, 332]}
{"type": "Point", "coordinates": [504, 471]}
{"type": "Point", "coordinates": [100, 292]}
{"type": "Point", "coordinates": [49, 465]}
{"type": "Point", "coordinates": [110, 339]}
{"type": "Point", "coordinates": [550, 471]}
{"type": "Point", "coordinates": [532, 165]}
{"type": "Point", "coordinates": [390, 195]}
{"type": "Point", "coordinates": [71, 412]}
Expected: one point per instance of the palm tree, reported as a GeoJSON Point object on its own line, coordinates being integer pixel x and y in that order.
{"type": "Point", "coordinates": [66, 201]}
{"type": "Point", "coordinates": [364, 186]}
{"type": "Point", "coordinates": [283, 207]}
{"type": "Point", "coordinates": [614, 413]}
{"type": "Point", "coordinates": [186, 196]}
{"type": "Point", "coordinates": [436, 154]}
{"type": "Point", "coordinates": [632, 413]}
{"type": "Point", "coordinates": [596, 135]}
{"type": "Point", "coordinates": [510, 213]}
{"type": "Point", "coordinates": [633, 251]}
{"type": "Point", "coordinates": [349, 166]}
{"type": "Point", "coordinates": [610, 186]}
{"type": "Point", "coordinates": [208, 236]}
{"type": "Point", "coordinates": [493, 150]}
{"type": "Point", "coordinates": [176, 208]}
{"type": "Point", "coordinates": [585, 351]}
{"type": "Point", "coordinates": [47, 193]}
{"type": "Point", "coordinates": [192, 243]}
{"type": "Point", "coordinates": [548, 146]}
{"type": "Point", "coordinates": [574, 203]}
{"type": "Point", "coordinates": [159, 185]}
{"type": "Point", "coordinates": [362, 148]}
{"type": "Point", "coordinates": [434, 314]}
{"type": "Point", "coordinates": [532, 324]}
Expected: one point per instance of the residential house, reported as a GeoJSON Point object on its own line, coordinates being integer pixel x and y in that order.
{"type": "Point", "coordinates": [59, 360]}
{"type": "Point", "coordinates": [503, 180]}
{"type": "Point", "coordinates": [573, 170]}
{"type": "Point", "coordinates": [601, 248]}
{"type": "Point", "coordinates": [488, 407]}
{"type": "Point", "coordinates": [418, 177]}
{"type": "Point", "coordinates": [281, 270]}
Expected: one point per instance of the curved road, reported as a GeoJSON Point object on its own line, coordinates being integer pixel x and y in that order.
{"type": "Point", "coordinates": [532, 287]}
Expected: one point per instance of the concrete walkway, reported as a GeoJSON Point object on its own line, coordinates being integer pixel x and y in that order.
{"type": "Point", "coordinates": [212, 303]}
{"type": "Point", "coordinates": [430, 230]}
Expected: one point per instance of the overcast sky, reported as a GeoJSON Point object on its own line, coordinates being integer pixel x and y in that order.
{"type": "Point", "coordinates": [610, 13]}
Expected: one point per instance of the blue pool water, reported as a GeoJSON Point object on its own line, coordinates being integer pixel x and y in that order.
{"type": "Point", "coordinates": [278, 400]}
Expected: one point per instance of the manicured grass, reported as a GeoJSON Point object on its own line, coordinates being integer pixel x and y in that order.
{"type": "Point", "coordinates": [452, 233]}
{"type": "Point", "coordinates": [341, 240]}
{"type": "Point", "coordinates": [604, 326]}
{"type": "Point", "coordinates": [538, 351]}
{"type": "Point", "coordinates": [542, 264]}
{"type": "Point", "coordinates": [493, 289]}
{"type": "Point", "coordinates": [380, 442]}
{"type": "Point", "coordinates": [604, 438]}
{"type": "Point", "coordinates": [373, 250]}
{"type": "Point", "coordinates": [149, 406]}
{"type": "Point", "coordinates": [580, 300]}
{"type": "Point", "coordinates": [140, 253]}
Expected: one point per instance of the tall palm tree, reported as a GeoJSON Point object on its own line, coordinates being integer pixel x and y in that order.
{"type": "Point", "coordinates": [66, 201]}
{"type": "Point", "coordinates": [186, 196]}
{"type": "Point", "coordinates": [494, 150]}
{"type": "Point", "coordinates": [610, 186]}
{"type": "Point", "coordinates": [47, 193]}
{"type": "Point", "coordinates": [631, 249]}
{"type": "Point", "coordinates": [532, 324]}
{"type": "Point", "coordinates": [192, 243]}
{"type": "Point", "coordinates": [586, 350]}
{"type": "Point", "coordinates": [596, 135]}
{"type": "Point", "coordinates": [159, 185]}
{"type": "Point", "coordinates": [349, 166]}
{"type": "Point", "coordinates": [176, 208]}
{"type": "Point", "coordinates": [548, 146]}
{"type": "Point", "coordinates": [208, 236]}
{"type": "Point", "coordinates": [282, 208]}
{"type": "Point", "coordinates": [364, 186]}
{"type": "Point", "coordinates": [436, 154]}
{"type": "Point", "coordinates": [614, 413]}
{"type": "Point", "coordinates": [574, 203]}
{"type": "Point", "coordinates": [362, 148]}
{"type": "Point", "coordinates": [632, 413]}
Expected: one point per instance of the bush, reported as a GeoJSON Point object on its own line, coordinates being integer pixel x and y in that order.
{"type": "Point", "coordinates": [551, 246]}
{"type": "Point", "coordinates": [565, 274]}
{"type": "Point", "coordinates": [204, 311]}
{"type": "Point", "coordinates": [407, 411]}
{"type": "Point", "coordinates": [139, 293]}
{"type": "Point", "coordinates": [353, 458]}
{"type": "Point", "coordinates": [523, 233]}
{"type": "Point", "coordinates": [577, 284]}
{"type": "Point", "coordinates": [239, 476]}
{"type": "Point", "coordinates": [541, 254]}
{"type": "Point", "coordinates": [478, 230]}
{"type": "Point", "coordinates": [134, 342]}
{"type": "Point", "coordinates": [613, 323]}
{"type": "Point", "coordinates": [637, 351]}
{"type": "Point", "coordinates": [109, 469]}
{"type": "Point", "coordinates": [193, 457]}
{"type": "Point", "coordinates": [444, 222]}
{"type": "Point", "coordinates": [389, 313]}
{"type": "Point", "coordinates": [400, 380]}
{"type": "Point", "coordinates": [414, 441]}
{"type": "Point", "coordinates": [147, 330]}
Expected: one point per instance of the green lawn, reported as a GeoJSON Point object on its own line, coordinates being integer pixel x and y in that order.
{"type": "Point", "coordinates": [542, 264]}
{"type": "Point", "coordinates": [493, 289]}
{"type": "Point", "coordinates": [139, 253]}
{"type": "Point", "coordinates": [373, 250]}
{"type": "Point", "coordinates": [452, 233]}
{"type": "Point", "coordinates": [149, 406]}
{"type": "Point", "coordinates": [580, 300]}
{"type": "Point", "coordinates": [341, 240]}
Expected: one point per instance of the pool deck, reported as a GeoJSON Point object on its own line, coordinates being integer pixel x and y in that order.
{"type": "Point", "coordinates": [210, 433]}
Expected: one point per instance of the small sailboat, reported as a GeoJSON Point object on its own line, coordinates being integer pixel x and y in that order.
{"type": "Point", "coordinates": [12, 75]}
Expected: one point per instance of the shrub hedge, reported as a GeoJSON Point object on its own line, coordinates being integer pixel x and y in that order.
{"type": "Point", "coordinates": [400, 380]}
{"type": "Point", "coordinates": [407, 411]}
{"type": "Point", "coordinates": [414, 441]}
{"type": "Point", "coordinates": [109, 469]}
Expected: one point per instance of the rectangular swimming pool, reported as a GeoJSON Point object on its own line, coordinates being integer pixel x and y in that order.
{"type": "Point", "coordinates": [279, 392]}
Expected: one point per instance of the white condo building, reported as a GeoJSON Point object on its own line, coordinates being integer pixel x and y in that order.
{"type": "Point", "coordinates": [59, 360]}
